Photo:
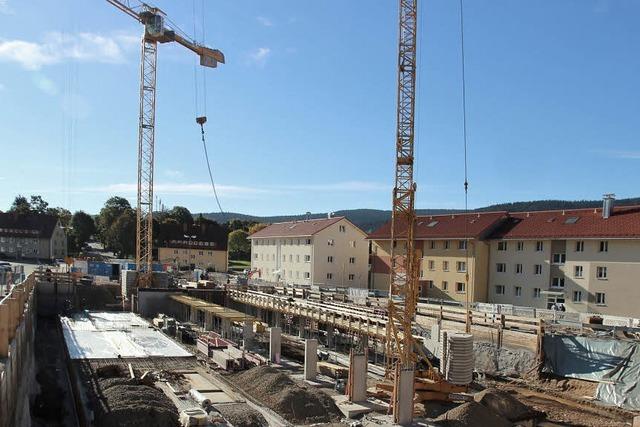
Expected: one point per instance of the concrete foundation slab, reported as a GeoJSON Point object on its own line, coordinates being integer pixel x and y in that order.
{"type": "Point", "coordinates": [310, 359]}
{"type": "Point", "coordinates": [218, 397]}
{"type": "Point", "coordinates": [352, 409]}
{"type": "Point", "coordinates": [275, 339]}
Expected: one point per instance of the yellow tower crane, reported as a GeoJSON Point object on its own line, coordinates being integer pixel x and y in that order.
{"type": "Point", "coordinates": [156, 30]}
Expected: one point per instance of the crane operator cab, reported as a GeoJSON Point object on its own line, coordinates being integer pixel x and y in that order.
{"type": "Point", "coordinates": [153, 21]}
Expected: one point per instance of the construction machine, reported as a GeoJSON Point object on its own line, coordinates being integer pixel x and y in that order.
{"type": "Point", "coordinates": [157, 29]}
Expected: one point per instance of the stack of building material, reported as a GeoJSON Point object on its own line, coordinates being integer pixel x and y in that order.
{"type": "Point", "coordinates": [211, 341]}
{"type": "Point", "coordinates": [456, 357]}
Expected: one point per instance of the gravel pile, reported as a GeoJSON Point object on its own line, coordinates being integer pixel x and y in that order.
{"type": "Point", "coordinates": [241, 415]}
{"type": "Point", "coordinates": [504, 404]}
{"type": "Point", "coordinates": [296, 403]}
{"type": "Point", "coordinates": [131, 403]}
{"type": "Point", "coordinates": [471, 414]}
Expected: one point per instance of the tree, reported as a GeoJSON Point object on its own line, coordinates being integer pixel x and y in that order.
{"type": "Point", "coordinates": [254, 228]}
{"type": "Point", "coordinates": [20, 205]}
{"type": "Point", "coordinates": [181, 214]}
{"type": "Point", "coordinates": [121, 235]}
{"type": "Point", "coordinates": [112, 210]}
{"type": "Point", "coordinates": [38, 205]}
{"type": "Point", "coordinates": [239, 245]}
{"type": "Point", "coordinates": [82, 228]}
{"type": "Point", "coordinates": [64, 215]}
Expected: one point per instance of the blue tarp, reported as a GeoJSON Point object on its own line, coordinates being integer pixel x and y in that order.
{"type": "Point", "coordinates": [612, 362]}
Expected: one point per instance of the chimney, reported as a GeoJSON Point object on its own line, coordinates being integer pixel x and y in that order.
{"type": "Point", "coordinates": [607, 205]}
{"type": "Point", "coordinates": [330, 215]}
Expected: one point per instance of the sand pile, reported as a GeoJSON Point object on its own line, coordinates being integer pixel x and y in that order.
{"type": "Point", "coordinates": [241, 415]}
{"type": "Point", "coordinates": [501, 361]}
{"type": "Point", "coordinates": [504, 404]}
{"type": "Point", "coordinates": [471, 414]}
{"type": "Point", "coordinates": [131, 403]}
{"type": "Point", "coordinates": [297, 403]}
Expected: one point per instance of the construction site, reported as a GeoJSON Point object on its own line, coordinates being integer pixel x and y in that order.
{"type": "Point", "coordinates": [232, 350]}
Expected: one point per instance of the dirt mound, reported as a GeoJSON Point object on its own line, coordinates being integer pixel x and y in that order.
{"type": "Point", "coordinates": [471, 414]}
{"type": "Point", "coordinates": [131, 403]}
{"type": "Point", "coordinates": [504, 404]}
{"type": "Point", "coordinates": [241, 415]}
{"type": "Point", "coordinates": [297, 403]}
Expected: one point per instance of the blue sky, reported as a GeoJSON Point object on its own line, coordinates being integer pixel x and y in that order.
{"type": "Point", "coordinates": [302, 116]}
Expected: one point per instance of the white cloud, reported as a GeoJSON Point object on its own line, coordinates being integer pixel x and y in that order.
{"type": "Point", "coordinates": [244, 192]}
{"type": "Point", "coordinates": [58, 47]}
{"type": "Point", "coordinates": [265, 21]}
{"type": "Point", "coordinates": [5, 9]}
{"type": "Point", "coordinates": [620, 154]}
{"type": "Point", "coordinates": [45, 84]}
{"type": "Point", "coordinates": [259, 56]}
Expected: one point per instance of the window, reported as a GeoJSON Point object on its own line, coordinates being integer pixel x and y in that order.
{"type": "Point", "coordinates": [284, 257]}
{"type": "Point", "coordinates": [537, 292]}
{"type": "Point", "coordinates": [577, 271]}
{"type": "Point", "coordinates": [500, 289]}
{"type": "Point", "coordinates": [351, 277]}
{"type": "Point", "coordinates": [308, 241]}
{"type": "Point", "coordinates": [520, 246]}
{"type": "Point", "coordinates": [432, 265]}
{"type": "Point", "coordinates": [600, 298]}
{"type": "Point", "coordinates": [559, 258]}
{"type": "Point", "coordinates": [460, 287]}
{"type": "Point", "coordinates": [297, 258]}
{"type": "Point", "coordinates": [430, 284]}
{"type": "Point", "coordinates": [501, 267]}
{"type": "Point", "coordinates": [175, 251]}
{"type": "Point", "coordinates": [517, 291]}
{"type": "Point", "coordinates": [352, 260]}
{"type": "Point", "coordinates": [604, 246]}
{"type": "Point", "coordinates": [445, 285]}
{"type": "Point", "coordinates": [447, 244]}
{"type": "Point", "coordinates": [329, 276]}
{"type": "Point", "coordinates": [557, 282]}
{"type": "Point", "coordinates": [330, 242]}
{"type": "Point", "coordinates": [461, 266]}
{"type": "Point", "coordinates": [518, 268]}
{"type": "Point", "coordinates": [577, 296]}
{"type": "Point", "coordinates": [502, 246]}
{"type": "Point", "coordinates": [537, 269]}
{"type": "Point", "coordinates": [432, 244]}
{"type": "Point", "coordinates": [352, 243]}
{"type": "Point", "coordinates": [290, 258]}
{"type": "Point", "coordinates": [462, 244]}
{"type": "Point", "coordinates": [445, 265]}
{"type": "Point", "coordinates": [342, 229]}
{"type": "Point", "coordinates": [307, 275]}
{"type": "Point", "coordinates": [329, 258]}
{"type": "Point", "coordinates": [200, 253]}
{"type": "Point", "coordinates": [580, 246]}
{"type": "Point", "coordinates": [539, 246]}
{"type": "Point", "coordinates": [421, 273]}
{"type": "Point", "coordinates": [601, 272]}
{"type": "Point", "coordinates": [255, 256]}
{"type": "Point", "coordinates": [307, 258]}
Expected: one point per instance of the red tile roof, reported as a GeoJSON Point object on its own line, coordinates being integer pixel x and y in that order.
{"type": "Point", "coordinates": [584, 223]}
{"type": "Point", "coordinates": [296, 228]}
{"type": "Point", "coordinates": [472, 225]}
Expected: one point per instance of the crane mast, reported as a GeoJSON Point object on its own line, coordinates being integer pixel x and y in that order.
{"type": "Point", "coordinates": [155, 30]}
{"type": "Point", "coordinates": [403, 286]}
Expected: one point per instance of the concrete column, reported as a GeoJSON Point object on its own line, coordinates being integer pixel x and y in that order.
{"type": "Point", "coordinates": [274, 344]}
{"type": "Point", "coordinates": [310, 359]}
{"type": "Point", "coordinates": [247, 334]}
{"type": "Point", "coordinates": [358, 391]}
{"type": "Point", "coordinates": [403, 397]}
{"type": "Point", "coordinates": [277, 319]}
{"type": "Point", "coordinates": [226, 328]}
{"type": "Point", "coordinates": [364, 340]}
{"type": "Point", "coordinates": [301, 326]}
{"type": "Point", "coordinates": [330, 336]}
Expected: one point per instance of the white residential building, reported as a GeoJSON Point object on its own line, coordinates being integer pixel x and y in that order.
{"type": "Point", "coordinates": [328, 252]}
